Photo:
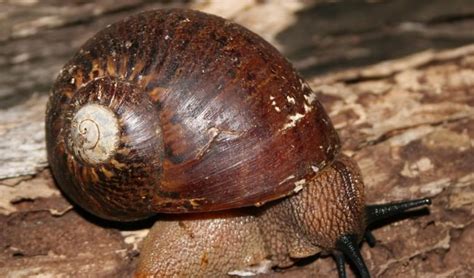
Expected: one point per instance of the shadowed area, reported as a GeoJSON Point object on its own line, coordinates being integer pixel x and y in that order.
{"type": "Point", "coordinates": [345, 34]}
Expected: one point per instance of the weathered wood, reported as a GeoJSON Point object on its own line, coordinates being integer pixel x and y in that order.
{"type": "Point", "coordinates": [409, 123]}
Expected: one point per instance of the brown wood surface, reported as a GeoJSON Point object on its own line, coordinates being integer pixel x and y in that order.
{"type": "Point", "coordinates": [396, 78]}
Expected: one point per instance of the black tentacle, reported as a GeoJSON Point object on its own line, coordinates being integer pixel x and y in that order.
{"type": "Point", "coordinates": [340, 262]}
{"type": "Point", "coordinates": [348, 245]}
{"type": "Point", "coordinates": [375, 213]}
{"type": "Point", "coordinates": [369, 237]}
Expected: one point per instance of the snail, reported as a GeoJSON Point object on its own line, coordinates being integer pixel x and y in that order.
{"type": "Point", "coordinates": [189, 115]}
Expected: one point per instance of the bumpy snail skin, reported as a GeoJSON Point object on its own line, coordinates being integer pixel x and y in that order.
{"type": "Point", "coordinates": [203, 245]}
{"type": "Point", "coordinates": [331, 206]}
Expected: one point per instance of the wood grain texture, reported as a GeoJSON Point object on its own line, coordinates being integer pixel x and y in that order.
{"type": "Point", "coordinates": [408, 122]}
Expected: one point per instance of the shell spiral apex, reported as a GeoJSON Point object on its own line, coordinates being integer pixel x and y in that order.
{"type": "Point", "coordinates": [178, 111]}
{"type": "Point", "coordinates": [94, 133]}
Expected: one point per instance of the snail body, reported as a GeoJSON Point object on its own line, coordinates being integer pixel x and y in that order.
{"type": "Point", "coordinates": [177, 111]}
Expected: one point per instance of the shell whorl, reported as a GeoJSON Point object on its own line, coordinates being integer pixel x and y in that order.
{"type": "Point", "coordinates": [110, 149]}
{"type": "Point", "coordinates": [209, 117]}
{"type": "Point", "coordinates": [94, 133]}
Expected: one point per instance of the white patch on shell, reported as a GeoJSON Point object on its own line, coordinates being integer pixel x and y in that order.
{"type": "Point", "coordinates": [293, 120]}
{"type": "Point", "coordinates": [167, 37]}
{"type": "Point", "coordinates": [128, 44]}
{"type": "Point", "coordinates": [290, 100]}
{"type": "Point", "coordinates": [287, 179]}
{"type": "Point", "coordinates": [307, 106]}
{"type": "Point", "coordinates": [312, 97]}
{"type": "Point", "coordinates": [94, 133]}
{"type": "Point", "coordinates": [261, 268]}
{"type": "Point", "coordinates": [315, 168]}
{"type": "Point", "coordinates": [299, 185]}
{"type": "Point", "coordinates": [73, 81]}
{"type": "Point", "coordinates": [274, 104]}
{"type": "Point", "coordinates": [300, 182]}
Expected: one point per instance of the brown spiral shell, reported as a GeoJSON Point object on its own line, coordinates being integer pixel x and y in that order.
{"type": "Point", "coordinates": [204, 115]}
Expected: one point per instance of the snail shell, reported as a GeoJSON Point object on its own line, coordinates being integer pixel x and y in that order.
{"type": "Point", "coordinates": [178, 111]}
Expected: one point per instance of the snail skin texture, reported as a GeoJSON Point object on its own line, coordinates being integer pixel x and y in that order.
{"type": "Point", "coordinates": [177, 111]}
